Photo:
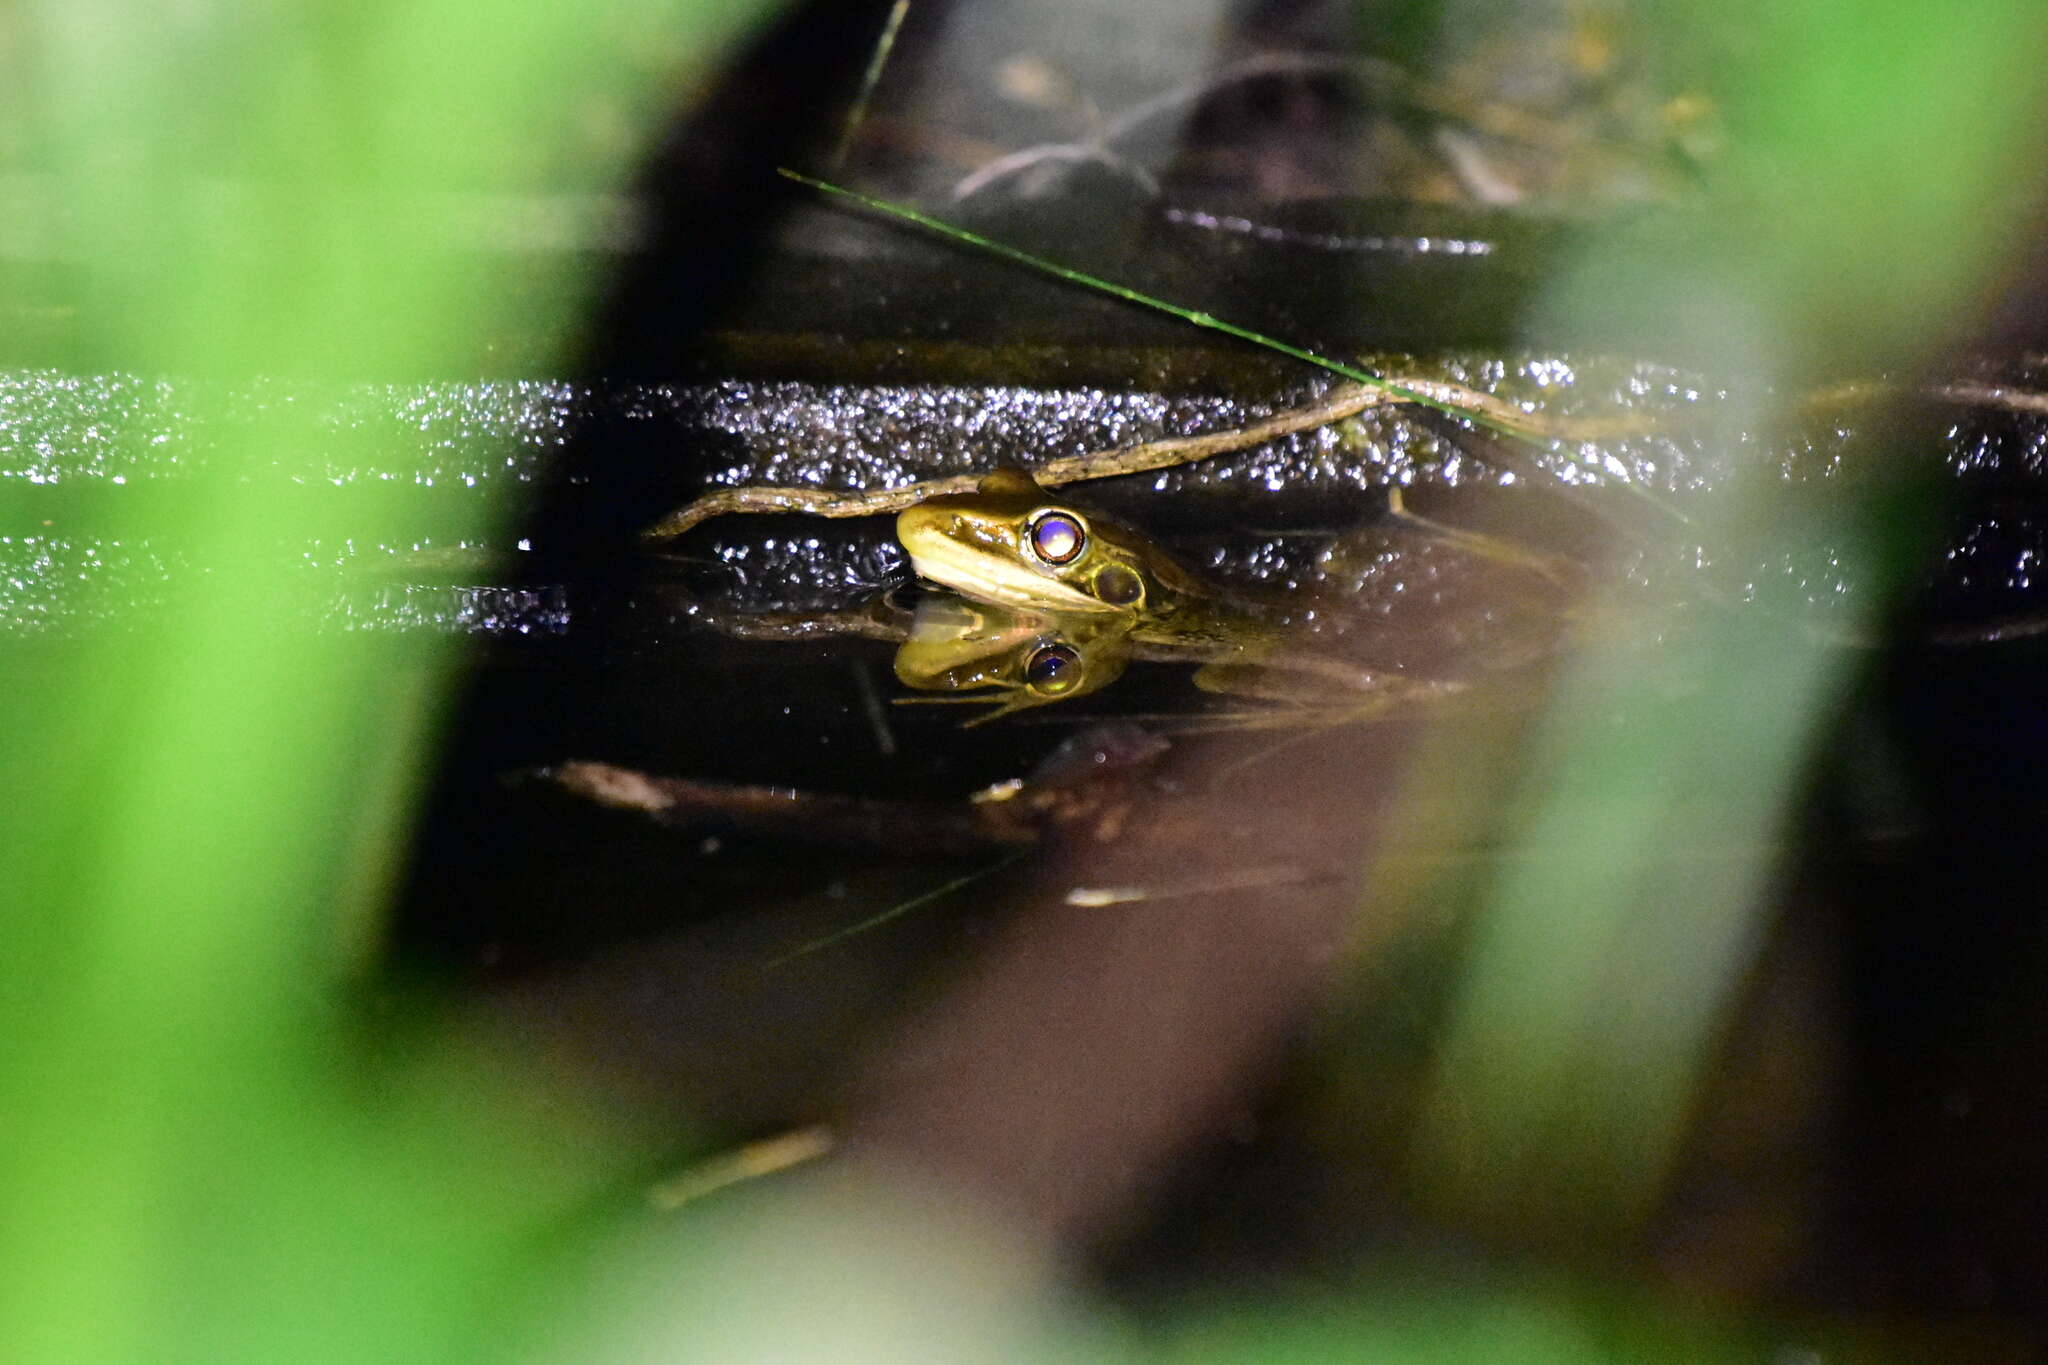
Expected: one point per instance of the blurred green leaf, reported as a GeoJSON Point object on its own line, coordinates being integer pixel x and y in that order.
{"type": "Point", "coordinates": [1876, 156]}
{"type": "Point", "coordinates": [204, 1158]}
{"type": "Point", "coordinates": [1851, 223]}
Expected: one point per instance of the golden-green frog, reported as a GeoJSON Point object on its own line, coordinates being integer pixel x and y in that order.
{"type": "Point", "coordinates": [1014, 544]}
{"type": "Point", "coordinates": [1054, 586]}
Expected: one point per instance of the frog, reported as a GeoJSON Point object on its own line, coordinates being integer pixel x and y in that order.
{"type": "Point", "coordinates": [1042, 571]}
{"type": "Point", "coordinates": [1013, 543]}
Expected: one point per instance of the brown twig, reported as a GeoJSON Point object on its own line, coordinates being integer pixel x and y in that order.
{"type": "Point", "coordinates": [1335, 406]}
{"type": "Point", "coordinates": [939, 829]}
{"type": "Point", "coordinates": [1343, 402]}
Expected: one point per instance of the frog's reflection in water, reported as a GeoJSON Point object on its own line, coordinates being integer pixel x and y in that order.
{"type": "Point", "coordinates": [1010, 657]}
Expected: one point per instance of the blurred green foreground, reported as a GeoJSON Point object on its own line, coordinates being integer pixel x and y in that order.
{"type": "Point", "coordinates": [205, 1154]}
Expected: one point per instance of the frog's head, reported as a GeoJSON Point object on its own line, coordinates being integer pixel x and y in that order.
{"type": "Point", "coordinates": [1011, 542]}
{"type": "Point", "coordinates": [1032, 658]}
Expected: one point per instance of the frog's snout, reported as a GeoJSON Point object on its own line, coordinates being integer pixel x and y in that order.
{"type": "Point", "coordinates": [922, 523]}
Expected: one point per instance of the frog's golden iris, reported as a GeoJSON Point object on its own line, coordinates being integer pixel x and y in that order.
{"type": "Point", "coordinates": [1058, 537]}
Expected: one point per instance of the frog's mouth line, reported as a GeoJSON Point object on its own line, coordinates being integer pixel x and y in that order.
{"type": "Point", "coordinates": [989, 577]}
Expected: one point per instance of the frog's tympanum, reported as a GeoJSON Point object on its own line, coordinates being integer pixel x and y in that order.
{"type": "Point", "coordinates": [1031, 658]}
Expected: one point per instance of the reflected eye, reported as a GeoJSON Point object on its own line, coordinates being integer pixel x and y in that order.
{"type": "Point", "coordinates": [1052, 670]}
{"type": "Point", "coordinates": [1058, 537]}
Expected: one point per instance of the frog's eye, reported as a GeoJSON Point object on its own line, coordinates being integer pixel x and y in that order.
{"type": "Point", "coordinates": [1053, 670]}
{"type": "Point", "coordinates": [1118, 586]}
{"type": "Point", "coordinates": [1057, 537]}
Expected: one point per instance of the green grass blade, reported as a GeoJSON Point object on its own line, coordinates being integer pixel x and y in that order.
{"type": "Point", "coordinates": [1196, 316]}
